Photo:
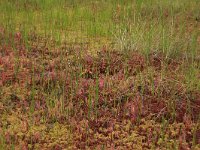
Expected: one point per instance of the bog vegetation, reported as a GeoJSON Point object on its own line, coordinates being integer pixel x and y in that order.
{"type": "Point", "coordinates": [104, 74]}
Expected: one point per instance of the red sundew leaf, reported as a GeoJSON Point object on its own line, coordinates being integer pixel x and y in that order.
{"type": "Point", "coordinates": [1, 61]}
{"type": "Point", "coordinates": [37, 105]}
{"type": "Point", "coordinates": [25, 103]}
{"type": "Point", "coordinates": [18, 36]}
{"type": "Point", "coordinates": [57, 147]}
{"type": "Point", "coordinates": [24, 146]}
{"type": "Point", "coordinates": [50, 75]}
{"type": "Point", "coordinates": [7, 137]}
{"type": "Point", "coordinates": [187, 121]}
{"type": "Point", "coordinates": [80, 92]}
{"type": "Point", "coordinates": [198, 135]}
{"type": "Point", "coordinates": [3, 77]}
{"type": "Point", "coordinates": [24, 126]}
{"type": "Point", "coordinates": [85, 83]}
{"type": "Point", "coordinates": [36, 137]}
{"type": "Point", "coordinates": [89, 59]}
{"type": "Point", "coordinates": [133, 113]}
{"type": "Point", "coordinates": [133, 110]}
{"type": "Point", "coordinates": [101, 83]}
{"type": "Point", "coordinates": [120, 75]}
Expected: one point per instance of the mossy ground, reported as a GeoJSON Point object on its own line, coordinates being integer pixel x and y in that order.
{"type": "Point", "coordinates": [122, 75]}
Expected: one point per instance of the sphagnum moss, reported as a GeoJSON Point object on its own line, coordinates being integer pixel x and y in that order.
{"type": "Point", "coordinates": [103, 74]}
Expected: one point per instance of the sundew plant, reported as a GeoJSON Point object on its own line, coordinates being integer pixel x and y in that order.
{"type": "Point", "coordinates": [99, 74]}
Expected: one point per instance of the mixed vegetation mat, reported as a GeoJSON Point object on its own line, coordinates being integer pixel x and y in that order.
{"type": "Point", "coordinates": [122, 75]}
